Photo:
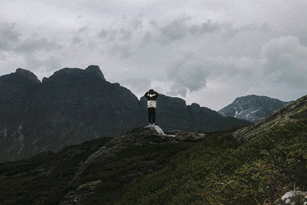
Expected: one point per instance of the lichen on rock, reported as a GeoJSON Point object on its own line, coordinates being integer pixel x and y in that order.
{"type": "Point", "coordinates": [293, 198]}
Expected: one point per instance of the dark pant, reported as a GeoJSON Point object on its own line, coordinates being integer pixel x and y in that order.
{"type": "Point", "coordinates": [151, 115]}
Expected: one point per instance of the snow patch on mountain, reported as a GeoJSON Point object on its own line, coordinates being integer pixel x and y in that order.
{"type": "Point", "coordinates": [18, 141]}
{"type": "Point", "coordinates": [35, 147]}
{"type": "Point", "coordinates": [251, 107]}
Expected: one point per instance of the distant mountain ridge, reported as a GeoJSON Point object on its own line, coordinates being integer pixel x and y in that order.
{"type": "Point", "coordinates": [76, 105]}
{"type": "Point", "coordinates": [252, 107]}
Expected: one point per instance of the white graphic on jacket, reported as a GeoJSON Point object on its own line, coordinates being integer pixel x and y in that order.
{"type": "Point", "coordinates": [151, 104]}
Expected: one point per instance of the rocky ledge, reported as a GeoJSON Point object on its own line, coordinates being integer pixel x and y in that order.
{"type": "Point", "coordinates": [136, 137]}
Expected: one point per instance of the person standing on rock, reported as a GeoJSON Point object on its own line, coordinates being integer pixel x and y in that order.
{"type": "Point", "coordinates": [151, 97]}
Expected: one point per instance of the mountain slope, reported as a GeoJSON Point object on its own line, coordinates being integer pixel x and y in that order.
{"type": "Point", "coordinates": [252, 107]}
{"type": "Point", "coordinates": [15, 89]}
{"type": "Point", "coordinates": [292, 112]}
{"type": "Point", "coordinates": [75, 105]}
{"type": "Point", "coordinates": [147, 166]}
{"type": "Point", "coordinates": [72, 172]}
{"type": "Point", "coordinates": [70, 107]}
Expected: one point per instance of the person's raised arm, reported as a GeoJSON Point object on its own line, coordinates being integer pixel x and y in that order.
{"type": "Point", "coordinates": [146, 95]}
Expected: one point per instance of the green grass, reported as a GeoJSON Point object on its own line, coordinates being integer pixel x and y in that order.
{"type": "Point", "coordinates": [215, 172]}
{"type": "Point", "coordinates": [209, 171]}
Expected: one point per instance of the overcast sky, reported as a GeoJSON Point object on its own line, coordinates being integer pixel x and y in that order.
{"type": "Point", "coordinates": [204, 51]}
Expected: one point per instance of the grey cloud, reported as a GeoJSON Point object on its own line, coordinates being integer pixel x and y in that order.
{"type": "Point", "coordinates": [181, 28]}
{"type": "Point", "coordinates": [123, 51]}
{"type": "Point", "coordinates": [79, 37]}
{"type": "Point", "coordinates": [7, 32]}
{"type": "Point", "coordinates": [192, 72]}
{"type": "Point", "coordinates": [103, 33]}
{"type": "Point", "coordinates": [122, 32]}
{"type": "Point", "coordinates": [84, 28]}
{"type": "Point", "coordinates": [188, 73]}
{"type": "Point", "coordinates": [173, 31]}
{"type": "Point", "coordinates": [115, 35]}
{"type": "Point", "coordinates": [108, 36]}
{"type": "Point", "coordinates": [26, 48]}
{"type": "Point", "coordinates": [154, 23]}
{"type": "Point", "coordinates": [207, 26]}
{"type": "Point", "coordinates": [147, 38]}
{"type": "Point", "coordinates": [230, 30]}
{"type": "Point", "coordinates": [265, 27]}
{"type": "Point", "coordinates": [136, 24]}
{"type": "Point", "coordinates": [176, 30]}
{"type": "Point", "coordinates": [177, 89]}
{"type": "Point", "coordinates": [37, 44]}
{"type": "Point", "coordinates": [40, 67]}
{"type": "Point", "coordinates": [284, 60]}
{"type": "Point", "coordinates": [125, 34]}
{"type": "Point", "coordinates": [9, 37]}
{"type": "Point", "coordinates": [137, 84]}
{"type": "Point", "coordinates": [77, 40]}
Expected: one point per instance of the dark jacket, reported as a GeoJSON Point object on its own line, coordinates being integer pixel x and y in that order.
{"type": "Point", "coordinates": [151, 96]}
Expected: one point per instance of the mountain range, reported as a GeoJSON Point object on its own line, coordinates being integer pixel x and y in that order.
{"type": "Point", "coordinates": [261, 163]}
{"type": "Point", "coordinates": [76, 105]}
{"type": "Point", "coordinates": [252, 107]}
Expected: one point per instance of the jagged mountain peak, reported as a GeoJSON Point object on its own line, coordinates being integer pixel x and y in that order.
{"type": "Point", "coordinates": [252, 107]}
{"type": "Point", "coordinates": [90, 72]}
{"type": "Point", "coordinates": [75, 105]}
{"type": "Point", "coordinates": [95, 69]}
{"type": "Point", "coordinates": [28, 74]}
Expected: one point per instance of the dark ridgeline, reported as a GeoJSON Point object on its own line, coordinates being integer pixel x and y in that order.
{"type": "Point", "coordinates": [75, 105]}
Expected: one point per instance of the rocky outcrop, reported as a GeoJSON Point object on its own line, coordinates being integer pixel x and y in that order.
{"type": "Point", "coordinates": [136, 137]}
{"type": "Point", "coordinates": [80, 195]}
{"type": "Point", "coordinates": [148, 135]}
{"type": "Point", "coordinates": [28, 74]}
{"type": "Point", "coordinates": [293, 198]}
{"type": "Point", "coordinates": [96, 70]}
{"type": "Point", "coordinates": [186, 136]}
{"type": "Point", "coordinates": [289, 113]}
